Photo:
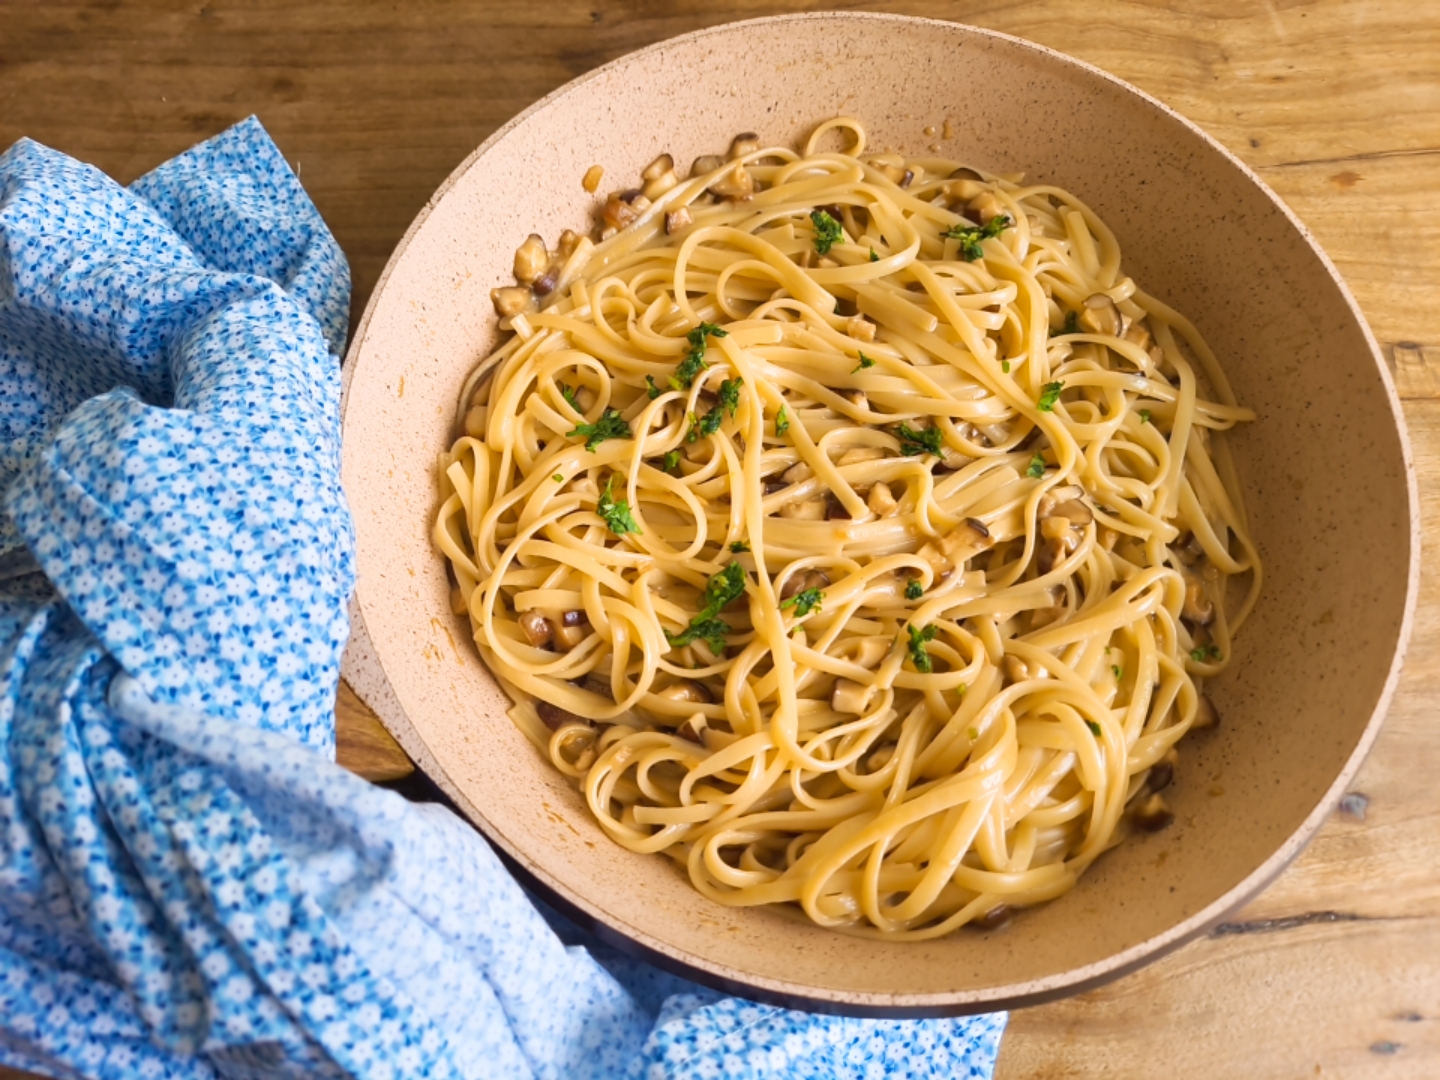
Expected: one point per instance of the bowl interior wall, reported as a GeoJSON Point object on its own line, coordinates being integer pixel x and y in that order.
{"type": "Point", "coordinates": [1323, 470]}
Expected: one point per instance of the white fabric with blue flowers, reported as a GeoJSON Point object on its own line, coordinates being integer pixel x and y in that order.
{"type": "Point", "coordinates": [189, 887]}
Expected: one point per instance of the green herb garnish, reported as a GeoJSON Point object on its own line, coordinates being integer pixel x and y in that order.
{"type": "Point", "coordinates": [865, 362]}
{"type": "Point", "coordinates": [828, 232]}
{"type": "Point", "coordinates": [1119, 671]}
{"type": "Point", "coordinates": [804, 602]}
{"type": "Point", "coordinates": [1049, 395]}
{"type": "Point", "coordinates": [710, 422]}
{"type": "Point", "coordinates": [558, 478]}
{"type": "Point", "coordinates": [723, 587]}
{"type": "Point", "coordinates": [1037, 468]}
{"type": "Point", "coordinates": [1204, 653]}
{"type": "Point", "coordinates": [730, 395]}
{"type": "Point", "coordinates": [611, 425]}
{"type": "Point", "coordinates": [672, 460]}
{"type": "Point", "coordinates": [1005, 366]}
{"type": "Point", "coordinates": [694, 361]}
{"type": "Point", "coordinates": [568, 393]}
{"type": "Point", "coordinates": [1094, 728]}
{"type": "Point", "coordinates": [782, 422]}
{"type": "Point", "coordinates": [1144, 416]}
{"type": "Point", "coordinates": [970, 236]}
{"type": "Point", "coordinates": [873, 256]}
{"type": "Point", "coordinates": [923, 441]}
{"type": "Point", "coordinates": [615, 512]}
{"type": "Point", "coordinates": [974, 734]}
{"type": "Point", "coordinates": [650, 387]}
{"type": "Point", "coordinates": [918, 656]}
{"type": "Point", "coordinates": [913, 589]}
{"type": "Point", "coordinates": [739, 547]}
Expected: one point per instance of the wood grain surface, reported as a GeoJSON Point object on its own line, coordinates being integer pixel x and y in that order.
{"type": "Point", "coordinates": [1335, 970]}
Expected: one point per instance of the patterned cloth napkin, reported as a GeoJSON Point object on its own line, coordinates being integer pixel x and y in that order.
{"type": "Point", "coordinates": [189, 887]}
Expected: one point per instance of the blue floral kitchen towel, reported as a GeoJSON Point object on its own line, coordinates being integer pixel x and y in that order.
{"type": "Point", "coordinates": [189, 886]}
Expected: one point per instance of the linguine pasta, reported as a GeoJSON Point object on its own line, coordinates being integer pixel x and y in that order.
{"type": "Point", "coordinates": [852, 530]}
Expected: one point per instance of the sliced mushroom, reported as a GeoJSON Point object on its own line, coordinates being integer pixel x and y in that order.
{"type": "Point", "coordinates": [747, 142]}
{"type": "Point", "coordinates": [689, 732]}
{"type": "Point", "coordinates": [736, 184]}
{"type": "Point", "coordinates": [1055, 496]}
{"type": "Point", "coordinates": [851, 697]}
{"type": "Point", "coordinates": [1206, 715]}
{"type": "Point", "coordinates": [675, 220]}
{"type": "Point", "coordinates": [531, 259]}
{"type": "Point", "coordinates": [574, 628]}
{"type": "Point", "coordinates": [881, 500]}
{"type": "Point", "coordinates": [1197, 608]}
{"type": "Point", "coordinates": [1099, 315]}
{"type": "Point", "coordinates": [1188, 549]}
{"type": "Point", "coordinates": [1153, 814]}
{"type": "Point", "coordinates": [993, 434]}
{"type": "Point", "coordinates": [1073, 510]}
{"type": "Point", "coordinates": [574, 617]}
{"type": "Point", "coordinates": [985, 208]}
{"type": "Point", "coordinates": [569, 241]}
{"type": "Point", "coordinates": [1061, 540]}
{"type": "Point", "coordinates": [960, 190]}
{"type": "Point", "coordinates": [511, 300]}
{"type": "Point", "coordinates": [706, 164]}
{"type": "Point", "coordinates": [798, 583]}
{"type": "Point", "coordinates": [620, 209]}
{"type": "Point", "coordinates": [797, 473]}
{"type": "Point", "coordinates": [860, 328]}
{"type": "Point", "coordinates": [686, 690]}
{"type": "Point", "coordinates": [657, 168]}
{"type": "Point", "coordinates": [554, 717]}
{"type": "Point", "coordinates": [1138, 333]}
{"type": "Point", "coordinates": [859, 454]}
{"type": "Point", "coordinates": [997, 917]}
{"type": "Point", "coordinates": [835, 509]}
{"type": "Point", "coordinates": [816, 509]}
{"type": "Point", "coordinates": [966, 540]}
{"type": "Point", "coordinates": [537, 629]}
{"type": "Point", "coordinates": [1162, 773]}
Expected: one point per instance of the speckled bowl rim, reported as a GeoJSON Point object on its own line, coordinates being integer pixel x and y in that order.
{"type": "Point", "coordinates": [361, 656]}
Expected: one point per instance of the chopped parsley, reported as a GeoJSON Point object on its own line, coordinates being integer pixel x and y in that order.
{"type": "Point", "coordinates": [694, 362]}
{"type": "Point", "coordinates": [1204, 653]}
{"type": "Point", "coordinates": [1144, 416]}
{"type": "Point", "coordinates": [923, 441]}
{"type": "Point", "coordinates": [568, 393]}
{"type": "Point", "coordinates": [804, 602]}
{"type": "Point", "coordinates": [970, 236]}
{"type": "Point", "coordinates": [1094, 728]}
{"type": "Point", "coordinates": [913, 589]}
{"type": "Point", "coordinates": [974, 734]}
{"type": "Point", "coordinates": [1005, 366]}
{"type": "Point", "coordinates": [558, 478]}
{"type": "Point", "coordinates": [918, 640]}
{"type": "Point", "coordinates": [650, 388]}
{"type": "Point", "coordinates": [615, 512]}
{"type": "Point", "coordinates": [723, 587]}
{"type": "Point", "coordinates": [828, 232]}
{"type": "Point", "coordinates": [1119, 671]}
{"type": "Point", "coordinates": [782, 422]}
{"type": "Point", "coordinates": [1037, 468]}
{"type": "Point", "coordinates": [865, 362]}
{"type": "Point", "coordinates": [710, 422]}
{"type": "Point", "coordinates": [611, 425]}
{"type": "Point", "coordinates": [873, 256]}
{"type": "Point", "coordinates": [1072, 323]}
{"type": "Point", "coordinates": [1049, 395]}
{"type": "Point", "coordinates": [739, 547]}
{"type": "Point", "coordinates": [672, 460]}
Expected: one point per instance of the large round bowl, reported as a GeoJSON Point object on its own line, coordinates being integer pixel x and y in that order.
{"type": "Point", "coordinates": [1326, 469]}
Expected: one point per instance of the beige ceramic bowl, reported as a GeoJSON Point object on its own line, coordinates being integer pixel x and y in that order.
{"type": "Point", "coordinates": [1327, 472]}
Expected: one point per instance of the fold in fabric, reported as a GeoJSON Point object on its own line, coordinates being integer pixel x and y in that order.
{"type": "Point", "coordinates": [189, 887]}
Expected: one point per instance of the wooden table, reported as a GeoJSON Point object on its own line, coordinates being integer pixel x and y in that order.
{"type": "Point", "coordinates": [1334, 970]}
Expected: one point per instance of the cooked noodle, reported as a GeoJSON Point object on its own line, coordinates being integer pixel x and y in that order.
{"type": "Point", "coordinates": [998, 465]}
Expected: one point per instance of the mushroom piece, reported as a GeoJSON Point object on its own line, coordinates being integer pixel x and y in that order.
{"type": "Point", "coordinates": [531, 259]}
{"type": "Point", "coordinates": [1197, 608]}
{"type": "Point", "coordinates": [510, 301]}
{"type": "Point", "coordinates": [675, 220]}
{"type": "Point", "coordinates": [686, 690]}
{"type": "Point", "coordinates": [554, 717]}
{"type": "Point", "coordinates": [659, 177]}
{"type": "Point", "coordinates": [1206, 715]}
{"type": "Point", "coordinates": [690, 733]}
{"type": "Point", "coordinates": [1061, 540]}
{"type": "Point", "coordinates": [798, 583]}
{"type": "Point", "coordinates": [747, 142]}
{"type": "Point", "coordinates": [1099, 315]}
{"type": "Point", "coordinates": [1055, 496]}
{"type": "Point", "coordinates": [735, 184]}
{"type": "Point", "coordinates": [621, 209]}
{"type": "Point", "coordinates": [573, 629]}
{"type": "Point", "coordinates": [985, 208]}
{"type": "Point", "coordinates": [816, 509]}
{"type": "Point", "coordinates": [860, 328]}
{"type": "Point", "coordinates": [881, 500]}
{"type": "Point", "coordinates": [1138, 334]}
{"type": "Point", "coordinates": [1189, 550]}
{"type": "Point", "coordinates": [998, 916]}
{"type": "Point", "coordinates": [706, 164]}
{"type": "Point", "coordinates": [851, 697]}
{"type": "Point", "coordinates": [537, 629]}
{"type": "Point", "coordinates": [966, 540]}
{"type": "Point", "coordinates": [1153, 814]}
{"type": "Point", "coordinates": [1162, 773]}
{"type": "Point", "coordinates": [797, 473]}
{"type": "Point", "coordinates": [859, 454]}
